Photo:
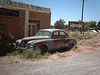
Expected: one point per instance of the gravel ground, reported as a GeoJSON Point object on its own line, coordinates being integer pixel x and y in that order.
{"type": "Point", "coordinates": [87, 63]}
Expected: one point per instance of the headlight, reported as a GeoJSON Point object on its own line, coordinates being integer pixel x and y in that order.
{"type": "Point", "coordinates": [31, 45]}
{"type": "Point", "coordinates": [19, 41]}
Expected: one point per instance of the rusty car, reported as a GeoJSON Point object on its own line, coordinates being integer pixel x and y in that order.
{"type": "Point", "coordinates": [47, 40]}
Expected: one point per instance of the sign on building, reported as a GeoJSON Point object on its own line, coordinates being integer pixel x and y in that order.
{"type": "Point", "coordinates": [9, 3]}
{"type": "Point", "coordinates": [76, 25]}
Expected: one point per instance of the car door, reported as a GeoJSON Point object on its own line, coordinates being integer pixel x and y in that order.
{"type": "Point", "coordinates": [56, 39]}
{"type": "Point", "coordinates": [64, 40]}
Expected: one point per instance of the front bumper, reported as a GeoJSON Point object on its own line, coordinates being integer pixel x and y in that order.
{"type": "Point", "coordinates": [24, 46]}
{"type": "Point", "coordinates": [21, 48]}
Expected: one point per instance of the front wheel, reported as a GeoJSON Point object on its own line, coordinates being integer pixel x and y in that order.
{"type": "Point", "coordinates": [43, 49]}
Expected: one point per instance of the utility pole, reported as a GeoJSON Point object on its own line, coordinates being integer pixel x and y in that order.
{"type": "Point", "coordinates": [82, 11]}
{"type": "Point", "coordinates": [27, 2]}
{"type": "Point", "coordinates": [82, 18]}
{"type": "Point", "coordinates": [26, 20]}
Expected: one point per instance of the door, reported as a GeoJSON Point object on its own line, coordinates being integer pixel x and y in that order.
{"type": "Point", "coordinates": [56, 40]}
{"type": "Point", "coordinates": [34, 26]}
{"type": "Point", "coordinates": [64, 39]}
{"type": "Point", "coordinates": [32, 29]}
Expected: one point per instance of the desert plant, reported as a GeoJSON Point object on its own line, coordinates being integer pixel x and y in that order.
{"type": "Point", "coordinates": [76, 35]}
{"type": "Point", "coordinates": [6, 42]}
{"type": "Point", "coordinates": [30, 54]}
{"type": "Point", "coordinates": [33, 54]}
{"type": "Point", "coordinates": [88, 36]}
{"type": "Point", "coordinates": [79, 36]}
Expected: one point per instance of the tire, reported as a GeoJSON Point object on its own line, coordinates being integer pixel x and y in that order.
{"type": "Point", "coordinates": [43, 49]}
{"type": "Point", "coordinates": [70, 46]}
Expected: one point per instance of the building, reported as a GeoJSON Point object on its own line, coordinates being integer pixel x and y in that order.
{"type": "Point", "coordinates": [22, 19]}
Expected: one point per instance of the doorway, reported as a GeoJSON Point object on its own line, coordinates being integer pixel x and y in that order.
{"type": "Point", "coordinates": [32, 29]}
{"type": "Point", "coordinates": [34, 26]}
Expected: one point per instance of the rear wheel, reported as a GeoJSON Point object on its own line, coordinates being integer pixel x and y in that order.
{"type": "Point", "coordinates": [43, 49]}
{"type": "Point", "coordinates": [70, 46]}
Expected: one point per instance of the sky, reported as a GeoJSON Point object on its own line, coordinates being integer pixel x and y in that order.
{"type": "Point", "coordinates": [69, 10]}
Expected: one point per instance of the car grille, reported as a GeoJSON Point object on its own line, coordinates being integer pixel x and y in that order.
{"type": "Point", "coordinates": [24, 42]}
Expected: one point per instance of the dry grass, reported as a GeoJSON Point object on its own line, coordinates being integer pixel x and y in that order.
{"type": "Point", "coordinates": [79, 36]}
{"type": "Point", "coordinates": [29, 54]}
{"type": "Point", "coordinates": [87, 42]}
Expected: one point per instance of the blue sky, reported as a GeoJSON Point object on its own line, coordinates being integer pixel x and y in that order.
{"type": "Point", "coordinates": [69, 10]}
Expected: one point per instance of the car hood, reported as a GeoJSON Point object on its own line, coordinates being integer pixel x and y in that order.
{"type": "Point", "coordinates": [36, 37]}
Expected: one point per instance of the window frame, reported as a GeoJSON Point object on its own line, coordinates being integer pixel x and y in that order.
{"type": "Point", "coordinates": [9, 12]}
{"type": "Point", "coordinates": [63, 36]}
{"type": "Point", "coordinates": [56, 36]}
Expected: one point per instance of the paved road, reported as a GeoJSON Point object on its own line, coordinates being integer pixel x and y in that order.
{"type": "Point", "coordinates": [87, 63]}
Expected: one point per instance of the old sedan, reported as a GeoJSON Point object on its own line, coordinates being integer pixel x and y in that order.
{"type": "Point", "coordinates": [47, 40]}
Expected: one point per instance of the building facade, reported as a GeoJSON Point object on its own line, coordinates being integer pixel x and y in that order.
{"type": "Point", "coordinates": [13, 18]}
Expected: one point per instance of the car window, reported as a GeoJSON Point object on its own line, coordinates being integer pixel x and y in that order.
{"type": "Point", "coordinates": [43, 33]}
{"type": "Point", "coordinates": [63, 35]}
{"type": "Point", "coordinates": [56, 35]}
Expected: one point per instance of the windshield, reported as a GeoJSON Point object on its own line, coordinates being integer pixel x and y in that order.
{"type": "Point", "coordinates": [43, 33]}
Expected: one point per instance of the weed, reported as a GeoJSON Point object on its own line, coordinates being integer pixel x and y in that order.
{"type": "Point", "coordinates": [95, 42]}
{"type": "Point", "coordinates": [88, 36]}
{"type": "Point", "coordinates": [62, 56]}
{"type": "Point", "coordinates": [81, 43]}
{"type": "Point", "coordinates": [14, 53]}
{"type": "Point", "coordinates": [11, 62]}
{"type": "Point", "coordinates": [90, 43]}
{"type": "Point", "coordinates": [33, 54]}
{"type": "Point", "coordinates": [16, 61]}
{"type": "Point", "coordinates": [94, 45]}
{"type": "Point", "coordinates": [29, 54]}
{"type": "Point", "coordinates": [76, 47]}
{"type": "Point", "coordinates": [46, 55]}
{"type": "Point", "coordinates": [79, 36]}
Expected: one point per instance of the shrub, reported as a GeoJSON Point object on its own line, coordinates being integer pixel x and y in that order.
{"type": "Point", "coordinates": [6, 42]}
{"type": "Point", "coordinates": [30, 54]}
{"type": "Point", "coordinates": [79, 36]}
{"type": "Point", "coordinates": [88, 36]}
{"type": "Point", "coordinates": [33, 54]}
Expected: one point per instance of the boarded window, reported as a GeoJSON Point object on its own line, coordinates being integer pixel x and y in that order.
{"type": "Point", "coordinates": [8, 12]}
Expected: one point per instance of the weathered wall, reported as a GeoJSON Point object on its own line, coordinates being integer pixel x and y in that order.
{"type": "Point", "coordinates": [15, 25]}
{"type": "Point", "coordinates": [45, 18]}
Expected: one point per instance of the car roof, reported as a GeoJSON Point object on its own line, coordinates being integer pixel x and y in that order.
{"type": "Point", "coordinates": [52, 30]}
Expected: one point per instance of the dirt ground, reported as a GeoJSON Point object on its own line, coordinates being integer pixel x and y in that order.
{"type": "Point", "coordinates": [85, 45]}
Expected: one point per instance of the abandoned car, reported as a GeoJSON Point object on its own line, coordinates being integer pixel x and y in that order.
{"type": "Point", "coordinates": [47, 40]}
